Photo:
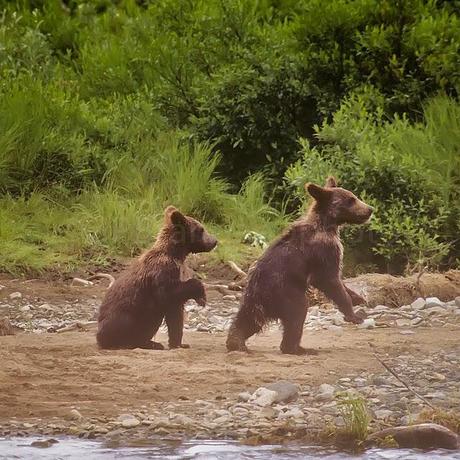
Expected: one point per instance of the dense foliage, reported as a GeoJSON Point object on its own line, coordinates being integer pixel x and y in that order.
{"type": "Point", "coordinates": [109, 110]}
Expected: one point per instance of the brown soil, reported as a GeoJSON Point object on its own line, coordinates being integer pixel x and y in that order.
{"type": "Point", "coordinates": [44, 375]}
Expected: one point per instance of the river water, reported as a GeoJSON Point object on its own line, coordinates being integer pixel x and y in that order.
{"type": "Point", "coordinates": [73, 449]}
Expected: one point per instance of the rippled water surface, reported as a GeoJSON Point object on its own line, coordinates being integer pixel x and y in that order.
{"type": "Point", "coordinates": [69, 448]}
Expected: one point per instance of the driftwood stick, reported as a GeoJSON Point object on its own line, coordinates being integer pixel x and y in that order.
{"type": "Point", "coordinates": [81, 282]}
{"type": "Point", "coordinates": [71, 327]}
{"type": "Point", "coordinates": [103, 275]}
{"type": "Point", "coordinates": [222, 288]}
{"type": "Point", "coordinates": [394, 374]}
{"type": "Point", "coordinates": [237, 269]}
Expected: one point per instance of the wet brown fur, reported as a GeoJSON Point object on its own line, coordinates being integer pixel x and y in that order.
{"type": "Point", "coordinates": [155, 288]}
{"type": "Point", "coordinates": [309, 253]}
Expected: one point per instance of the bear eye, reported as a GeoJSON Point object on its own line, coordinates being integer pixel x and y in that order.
{"type": "Point", "coordinates": [351, 200]}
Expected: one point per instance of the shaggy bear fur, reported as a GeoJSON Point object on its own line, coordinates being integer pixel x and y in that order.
{"type": "Point", "coordinates": [309, 253]}
{"type": "Point", "coordinates": [154, 288]}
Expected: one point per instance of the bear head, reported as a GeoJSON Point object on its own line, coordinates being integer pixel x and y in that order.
{"type": "Point", "coordinates": [186, 233]}
{"type": "Point", "coordinates": [338, 205]}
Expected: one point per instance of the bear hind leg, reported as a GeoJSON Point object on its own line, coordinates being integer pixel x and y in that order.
{"type": "Point", "coordinates": [292, 334]}
{"type": "Point", "coordinates": [123, 331]}
{"type": "Point", "coordinates": [175, 323]}
{"type": "Point", "coordinates": [241, 329]}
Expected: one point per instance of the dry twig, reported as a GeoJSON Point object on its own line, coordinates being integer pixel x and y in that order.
{"type": "Point", "coordinates": [103, 275]}
{"type": "Point", "coordinates": [237, 269]}
{"type": "Point", "coordinates": [394, 374]}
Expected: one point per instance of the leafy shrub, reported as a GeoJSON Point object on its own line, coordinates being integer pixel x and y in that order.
{"type": "Point", "coordinates": [408, 172]}
{"type": "Point", "coordinates": [146, 103]}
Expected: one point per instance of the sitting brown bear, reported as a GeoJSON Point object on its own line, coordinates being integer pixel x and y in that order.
{"type": "Point", "coordinates": [154, 288]}
{"type": "Point", "coordinates": [308, 253]}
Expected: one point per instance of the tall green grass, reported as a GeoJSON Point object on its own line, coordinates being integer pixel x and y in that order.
{"type": "Point", "coordinates": [355, 415]}
{"type": "Point", "coordinates": [56, 229]}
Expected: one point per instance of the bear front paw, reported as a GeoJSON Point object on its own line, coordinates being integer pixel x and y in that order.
{"type": "Point", "coordinates": [201, 302]}
{"type": "Point", "coordinates": [197, 291]}
{"type": "Point", "coordinates": [355, 319]}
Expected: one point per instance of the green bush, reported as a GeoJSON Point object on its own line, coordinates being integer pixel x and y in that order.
{"type": "Point", "coordinates": [409, 172]}
{"type": "Point", "coordinates": [141, 104]}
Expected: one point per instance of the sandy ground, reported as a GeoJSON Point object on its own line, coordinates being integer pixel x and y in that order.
{"type": "Point", "coordinates": [44, 375]}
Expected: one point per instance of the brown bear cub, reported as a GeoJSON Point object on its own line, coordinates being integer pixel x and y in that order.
{"type": "Point", "coordinates": [309, 253]}
{"type": "Point", "coordinates": [154, 288]}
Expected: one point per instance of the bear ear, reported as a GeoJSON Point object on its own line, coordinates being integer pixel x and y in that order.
{"type": "Point", "coordinates": [330, 182]}
{"type": "Point", "coordinates": [317, 192]}
{"type": "Point", "coordinates": [174, 216]}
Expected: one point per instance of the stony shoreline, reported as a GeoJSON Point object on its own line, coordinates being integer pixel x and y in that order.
{"type": "Point", "coordinates": [305, 411]}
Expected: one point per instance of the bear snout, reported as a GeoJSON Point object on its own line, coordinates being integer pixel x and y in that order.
{"type": "Point", "coordinates": [211, 243]}
{"type": "Point", "coordinates": [365, 215]}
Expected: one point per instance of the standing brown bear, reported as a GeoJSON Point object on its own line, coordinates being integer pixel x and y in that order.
{"type": "Point", "coordinates": [154, 288]}
{"type": "Point", "coordinates": [308, 253]}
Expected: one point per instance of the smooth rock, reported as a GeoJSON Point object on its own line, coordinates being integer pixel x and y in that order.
{"type": "Point", "coordinates": [383, 414]}
{"type": "Point", "coordinates": [240, 411]}
{"type": "Point", "coordinates": [436, 395]}
{"type": "Point", "coordinates": [337, 319]}
{"type": "Point", "coordinates": [379, 380]}
{"type": "Point", "coordinates": [267, 412]}
{"type": "Point", "coordinates": [433, 302]}
{"type": "Point", "coordinates": [360, 382]}
{"type": "Point", "coordinates": [44, 443]}
{"type": "Point", "coordinates": [15, 295]}
{"type": "Point", "coordinates": [185, 420]}
{"type": "Point", "coordinates": [264, 397]}
{"type": "Point", "coordinates": [74, 414]}
{"type": "Point", "coordinates": [286, 391]}
{"type": "Point", "coordinates": [435, 311]}
{"type": "Point", "coordinates": [221, 412]}
{"type": "Point", "coordinates": [418, 304]}
{"type": "Point", "coordinates": [368, 323]}
{"type": "Point", "coordinates": [326, 392]}
{"type": "Point", "coordinates": [222, 420]}
{"type": "Point", "coordinates": [244, 396]}
{"type": "Point", "coordinates": [229, 297]}
{"type": "Point", "coordinates": [423, 436]}
{"type": "Point", "coordinates": [25, 308]}
{"type": "Point", "coordinates": [128, 421]}
{"type": "Point", "coordinates": [335, 329]}
{"type": "Point", "coordinates": [295, 412]}
{"type": "Point", "coordinates": [457, 301]}
{"type": "Point", "coordinates": [403, 322]}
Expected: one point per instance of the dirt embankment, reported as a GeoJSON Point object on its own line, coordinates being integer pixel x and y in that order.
{"type": "Point", "coordinates": [394, 291]}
